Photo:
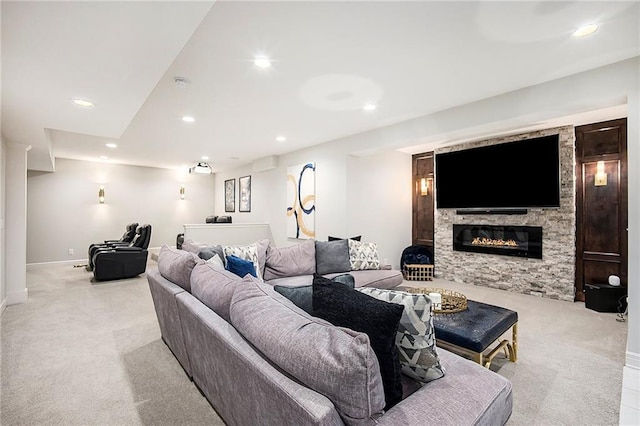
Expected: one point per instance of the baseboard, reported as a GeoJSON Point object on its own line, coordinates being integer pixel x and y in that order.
{"type": "Point", "coordinates": [17, 297]}
{"type": "Point", "coordinates": [58, 262]}
{"type": "Point", "coordinates": [3, 306]}
{"type": "Point", "coordinates": [632, 360]}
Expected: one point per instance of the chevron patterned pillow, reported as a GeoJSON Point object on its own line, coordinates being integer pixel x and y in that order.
{"type": "Point", "coordinates": [363, 255]}
{"type": "Point", "coordinates": [415, 339]}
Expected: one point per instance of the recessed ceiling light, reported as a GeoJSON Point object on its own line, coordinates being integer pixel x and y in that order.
{"type": "Point", "coordinates": [586, 30]}
{"type": "Point", "coordinates": [281, 138]}
{"type": "Point", "coordinates": [188, 119]}
{"type": "Point", "coordinates": [104, 157]}
{"type": "Point", "coordinates": [369, 107]}
{"type": "Point", "coordinates": [262, 62]}
{"type": "Point", "coordinates": [204, 157]}
{"type": "Point", "coordinates": [111, 145]}
{"type": "Point", "coordinates": [83, 103]}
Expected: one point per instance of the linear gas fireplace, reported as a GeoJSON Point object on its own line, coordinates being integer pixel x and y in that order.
{"type": "Point", "coordinates": [521, 241]}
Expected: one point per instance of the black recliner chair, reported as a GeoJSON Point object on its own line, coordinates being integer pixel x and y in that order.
{"type": "Point", "coordinates": [114, 263]}
{"type": "Point", "coordinates": [127, 237]}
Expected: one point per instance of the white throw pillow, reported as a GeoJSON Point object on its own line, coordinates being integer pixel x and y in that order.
{"type": "Point", "coordinates": [216, 261]}
{"type": "Point", "coordinates": [363, 255]}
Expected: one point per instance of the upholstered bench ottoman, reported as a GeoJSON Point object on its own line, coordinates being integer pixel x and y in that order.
{"type": "Point", "coordinates": [473, 330]}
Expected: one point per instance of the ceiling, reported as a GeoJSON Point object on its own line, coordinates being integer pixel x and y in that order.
{"type": "Point", "coordinates": [328, 60]}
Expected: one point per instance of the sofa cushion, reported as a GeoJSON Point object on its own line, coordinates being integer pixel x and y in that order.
{"type": "Point", "coordinates": [345, 307]}
{"type": "Point", "coordinates": [240, 267]}
{"type": "Point", "coordinates": [363, 256]}
{"type": "Point", "coordinates": [332, 256]}
{"type": "Point", "coordinates": [302, 296]}
{"type": "Point", "coordinates": [336, 362]}
{"type": "Point", "coordinates": [176, 266]}
{"type": "Point", "coordinates": [209, 251]}
{"type": "Point", "coordinates": [249, 253]}
{"type": "Point", "coordinates": [415, 340]}
{"type": "Point", "coordinates": [379, 278]}
{"type": "Point", "coordinates": [298, 259]}
{"type": "Point", "coordinates": [214, 286]}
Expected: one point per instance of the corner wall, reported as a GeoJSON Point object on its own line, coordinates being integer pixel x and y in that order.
{"type": "Point", "coordinates": [552, 276]}
{"type": "Point", "coordinates": [63, 211]}
{"type": "Point", "coordinates": [3, 284]}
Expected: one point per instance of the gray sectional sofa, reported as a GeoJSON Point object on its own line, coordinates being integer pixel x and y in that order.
{"type": "Point", "coordinates": [260, 360]}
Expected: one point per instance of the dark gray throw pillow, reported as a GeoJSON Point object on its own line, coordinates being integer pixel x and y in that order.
{"type": "Point", "coordinates": [357, 311]}
{"type": "Point", "coordinates": [332, 257]}
{"type": "Point", "coordinates": [208, 252]}
{"type": "Point", "coordinates": [302, 296]}
{"type": "Point", "coordinates": [357, 238]}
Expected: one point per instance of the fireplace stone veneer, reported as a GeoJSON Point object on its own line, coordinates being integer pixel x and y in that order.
{"type": "Point", "coordinates": [553, 276]}
{"type": "Point", "coordinates": [506, 240]}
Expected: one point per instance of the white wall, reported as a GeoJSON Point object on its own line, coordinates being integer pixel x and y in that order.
{"type": "Point", "coordinates": [63, 211]}
{"type": "Point", "coordinates": [368, 196]}
{"type": "Point", "coordinates": [3, 284]}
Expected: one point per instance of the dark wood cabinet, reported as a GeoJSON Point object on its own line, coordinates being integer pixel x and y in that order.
{"type": "Point", "coordinates": [601, 203]}
{"type": "Point", "coordinates": [423, 201]}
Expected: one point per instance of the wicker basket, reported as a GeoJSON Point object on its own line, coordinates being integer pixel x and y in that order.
{"type": "Point", "coordinates": [418, 272]}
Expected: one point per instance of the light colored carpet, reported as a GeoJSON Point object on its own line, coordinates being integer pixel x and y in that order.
{"type": "Point", "coordinates": [83, 353]}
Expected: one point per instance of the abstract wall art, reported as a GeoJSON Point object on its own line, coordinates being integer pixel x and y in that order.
{"type": "Point", "coordinates": [230, 195]}
{"type": "Point", "coordinates": [301, 201]}
{"type": "Point", "coordinates": [244, 205]}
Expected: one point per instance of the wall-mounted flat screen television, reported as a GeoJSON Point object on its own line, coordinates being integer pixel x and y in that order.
{"type": "Point", "coordinates": [518, 174]}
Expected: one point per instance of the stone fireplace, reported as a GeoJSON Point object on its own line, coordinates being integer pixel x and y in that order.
{"type": "Point", "coordinates": [505, 240]}
{"type": "Point", "coordinates": [546, 273]}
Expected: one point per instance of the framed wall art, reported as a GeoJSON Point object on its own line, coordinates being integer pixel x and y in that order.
{"type": "Point", "coordinates": [245, 194]}
{"type": "Point", "coordinates": [230, 195]}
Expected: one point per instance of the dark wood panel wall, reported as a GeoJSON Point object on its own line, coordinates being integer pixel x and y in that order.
{"type": "Point", "coordinates": [601, 206]}
{"type": "Point", "coordinates": [423, 200]}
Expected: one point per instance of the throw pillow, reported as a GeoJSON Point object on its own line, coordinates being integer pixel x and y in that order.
{"type": "Point", "coordinates": [363, 256]}
{"type": "Point", "coordinates": [302, 296]}
{"type": "Point", "coordinates": [208, 252]}
{"type": "Point", "coordinates": [338, 238]}
{"type": "Point", "coordinates": [298, 259]}
{"type": "Point", "coordinates": [213, 285]}
{"type": "Point", "coordinates": [249, 253]}
{"type": "Point", "coordinates": [176, 266]}
{"type": "Point", "coordinates": [193, 246]}
{"type": "Point", "coordinates": [335, 362]}
{"type": "Point", "coordinates": [240, 267]}
{"type": "Point", "coordinates": [216, 259]}
{"type": "Point", "coordinates": [357, 311]}
{"type": "Point", "coordinates": [332, 256]}
{"type": "Point", "coordinates": [415, 340]}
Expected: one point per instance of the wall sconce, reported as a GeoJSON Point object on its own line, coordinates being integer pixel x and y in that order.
{"type": "Point", "coordinates": [182, 192]}
{"type": "Point", "coordinates": [425, 184]}
{"type": "Point", "coordinates": [101, 194]}
{"type": "Point", "coordinates": [601, 176]}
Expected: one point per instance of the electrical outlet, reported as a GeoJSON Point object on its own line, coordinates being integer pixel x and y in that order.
{"type": "Point", "coordinates": [70, 252]}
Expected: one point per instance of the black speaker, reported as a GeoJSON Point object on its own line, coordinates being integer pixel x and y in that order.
{"type": "Point", "coordinates": [605, 297]}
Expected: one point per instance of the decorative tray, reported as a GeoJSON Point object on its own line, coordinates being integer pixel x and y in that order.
{"type": "Point", "coordinates": [452, 301]}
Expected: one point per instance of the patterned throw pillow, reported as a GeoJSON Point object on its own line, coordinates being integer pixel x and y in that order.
{"type": "Point", "coordinates": [249, 253]}
{"type": "Point", "coordinates": [363, 255]}
{"type": "Point", "coordinates": [415, 340]}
